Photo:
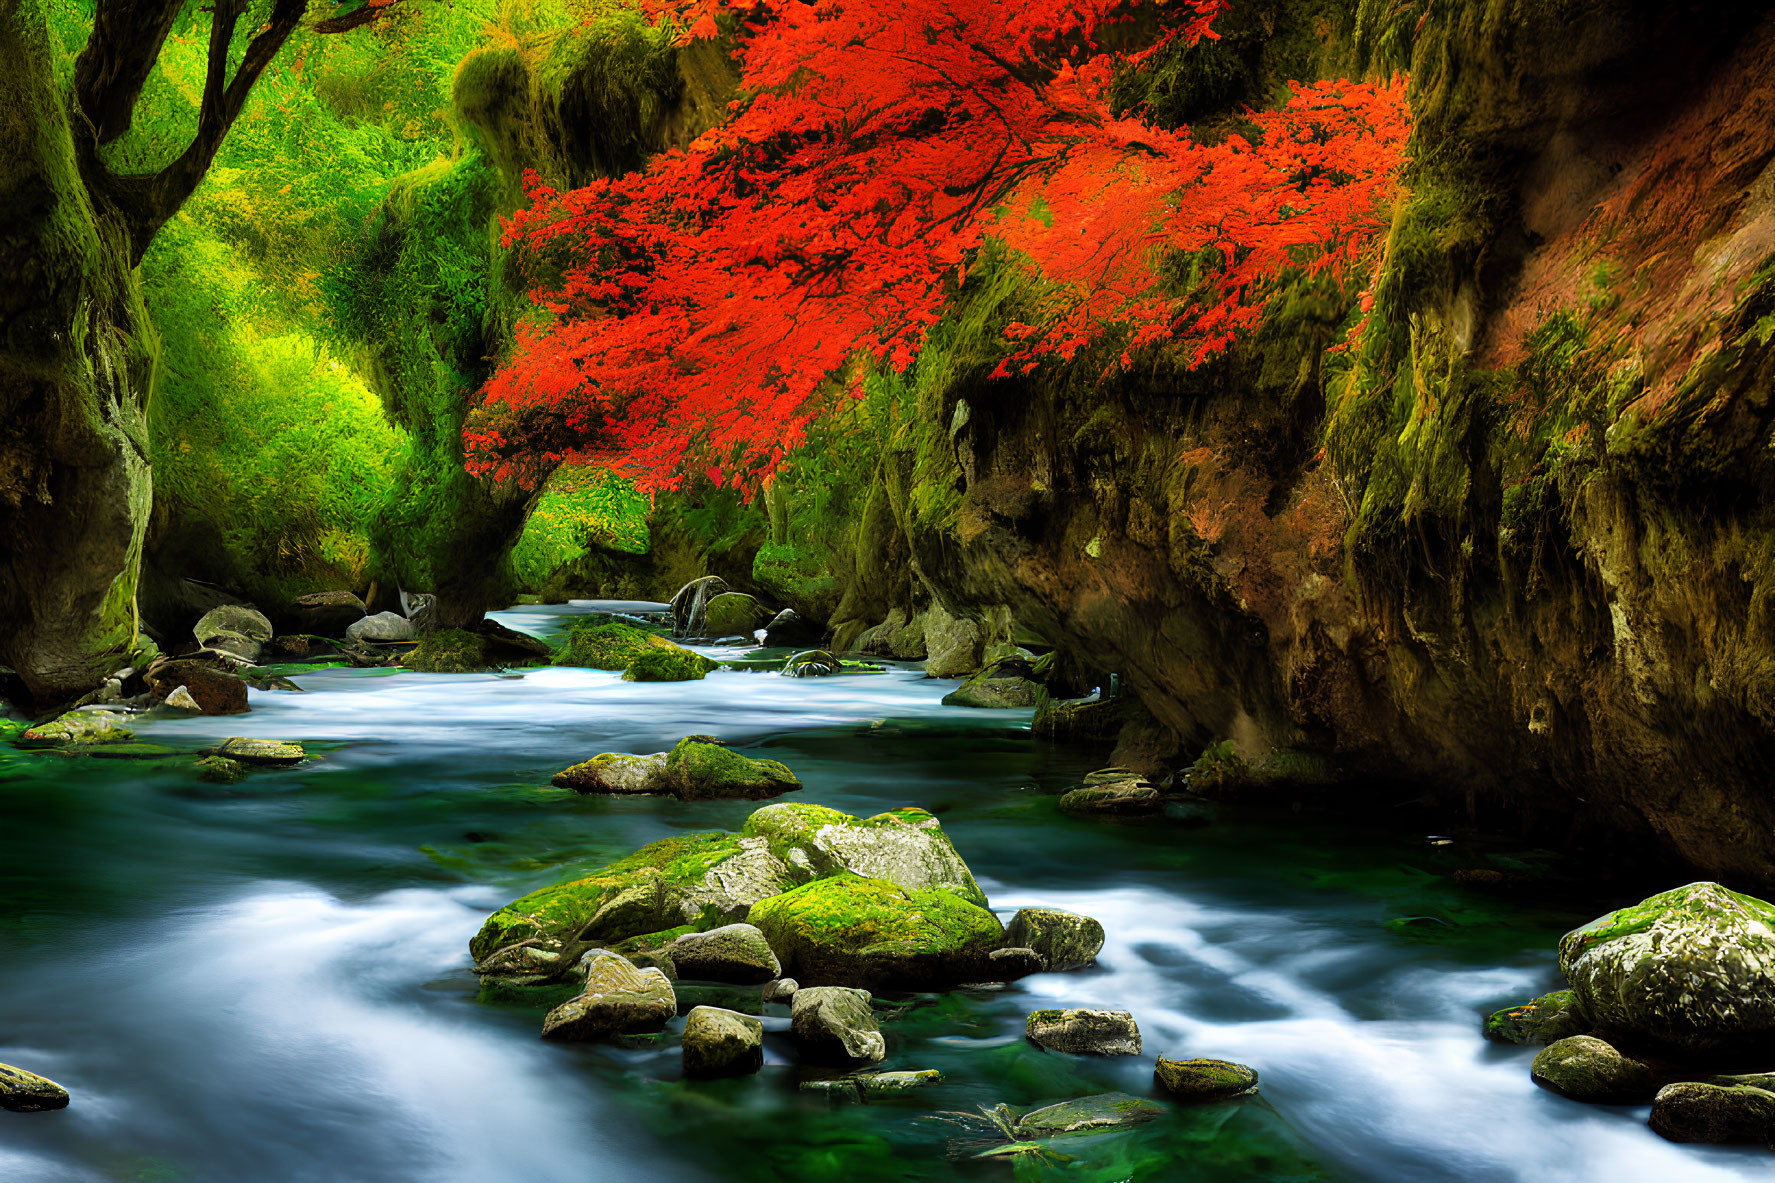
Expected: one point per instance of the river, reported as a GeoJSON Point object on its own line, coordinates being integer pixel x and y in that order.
{"type": "Point", "coordinates": [269, 982]}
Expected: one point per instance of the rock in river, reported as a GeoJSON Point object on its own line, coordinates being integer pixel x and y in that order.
{"type": "Point", "coordinates": [1692, 1111]}
{"type": "Point", "coordinates": [271, 753]}
{"type": "Point", "coordinates": [834, 1025]}
{"type": "Point", "coordinates": [1204, 1080]}
{"type": "Point", "coordinates": [1087, 1115]}
{"type": "Point", "coordinates": [1548, 1018]}
{"type": "Point", "coordinates": [26, 1092]}
{"type": "Point", "coordinates": [1084, 1032]}
{"type": "Point", "coordinates": [696, 769]}
{"type": "Point", "coordinates": [1006, 684]}
{"type": "Point", "coordinates": [722, 1043]}
{"type": "Point", "coordinates": [1691, 969]}
{"type": "Point", "coordinates": [1064, 940]}
{"type": "Point", "coordinates": [382, 628]}
{"type": "Point", "coordinates": [78, 729]}
{"type": "Point", "coordinates": [736, 953]}
{"type": "Point", "coordinates": [851, 931]}
{"type": "Point", "coordinates": [215, 690]}
{"type": "Point", "coordinates": [619, 999]}
{"type": "Point", "coordinates": [1586, 1068]}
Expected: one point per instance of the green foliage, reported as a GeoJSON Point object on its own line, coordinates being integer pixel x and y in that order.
{"type": "Point", "coordinates": [581, 509]}
{"type": "Point", "coordinates": [674, 664]}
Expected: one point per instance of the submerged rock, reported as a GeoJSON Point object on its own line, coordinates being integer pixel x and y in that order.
{"type": "Point", "coordinates": [736, 953]}
{"type": "Point", "coordinates": [220, 770]}
{"type": "Point", "coordinates": [1064, 940]}
{"type": "Point", "coordinates": [1204, 1080]}
{"type": "Point", "coordinates": [268, 752]}
{"type": "Point", "coordinates": [1114, 791]}
{"type": "Point", "coordinates": [1691, 969]}
{"type": "Point", "coordinates": [834, 1025]}
{"type": "Point", "coordinates": [815, 663]}
{"type": "Point", "coordinates": [26, 1092]}
{"type": "Point", "coordinates": [1005, 684]}
{"type": "Point", "coordinates": [1586, 1068]}
{"type": "Point", "coordinates": [1548, 1018]}
{"type": "Point", "coordinates": [619, 999]}
{"type": "Point", "coordinates": [851, 931]}
{"type": "Point", "coordinates": [722, 1043]}
{"type": "Point", "coordinates": [1691, 1111]}
{"type": "Point", "coordinates": [1087, 1115]}
{"type": "Point", "coordinates": [381, 629]}
{"type": "Point", "coordinates": [77, 729]}
{"type": "Point", "coordinates": [696, 769]}
{"type": "Point", "coordinates": [863, 1086]}
{"type": "Point", "coordinates": [1084, 1032]}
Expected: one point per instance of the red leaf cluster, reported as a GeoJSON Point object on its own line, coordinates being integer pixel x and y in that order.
{"type": "Point", "coordinates": [696, 308]}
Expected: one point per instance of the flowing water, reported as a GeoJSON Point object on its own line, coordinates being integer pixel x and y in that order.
{"type": "Point", "coordinates": [270, 981]}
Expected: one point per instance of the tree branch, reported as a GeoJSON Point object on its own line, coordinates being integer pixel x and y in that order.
{"type": "Point", "coordinates": [120, 53]}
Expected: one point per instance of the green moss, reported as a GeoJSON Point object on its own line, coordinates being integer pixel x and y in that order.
{"type": "Point", "coordinates": [703, 770]}
{"type": "Point", "coordinates": [669, 665]}
{"type": "Point", "coordinates": [604, 644]}
{"type": "Point", "coordinates": [449, 651]}
{"type": "Point", "coordinates": [797, 574]}
{"type": "Point", "coordinates": [851, 931]}
{"type": "Point", "coordinates": [1548, 1018]}
{"type": "Point", "coordinates": [734, 614]}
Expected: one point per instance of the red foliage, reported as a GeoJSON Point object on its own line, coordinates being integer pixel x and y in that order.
{"type": "Point", "coordinates": [697, 307]}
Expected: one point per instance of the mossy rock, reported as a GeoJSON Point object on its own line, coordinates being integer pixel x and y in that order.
{"type": "Point", "coordinates": [734, 614]}
{"type": "Point", "coordinates": [670, 665]}
{"type": "Point", "coordinates": [1114, 798]}
{"type": "Point", "coordinates": [450, 651]}
{"type": "Point", "coordinates": [610, 645]}
{"type": "Point", "coordinates": [720, 1042]}
{"type": "Point", "coordinates": [1691, 970]}
{"type": "Point", "coordinates": [273, 753]}
{"type": "Point", "coordinates": [619, 999]}
{"type": "Point", "coordinates": [1547, 1019]}
{"type": "Point", "coordinates": [1586, 1068]}
{"type": "Point", "coordinates": [616, 774]}
{"type": "Point", "coordinates": [1084, 1031]}
{"type": "Point", "coordinates": [26, 1092]}
{"type": "Point", "coordinates": [698, 880]}
{"type": "Point", "coordinates": [1693, 1111]}
{"type": "Point", "coordinates": [1204, 1080]}
{"type": "Point", "coordinates": [1006, 684]}
{"type": "Point", "coordinates": [1064, 940]}
{"type": "Point", "coordinates": [1083, 720]}
{"type": "Point", "coordinates": [699, 770]}
{"type": "Point", "coordinates": [76, 729]}
{"type": "Point", "coordinates": [813, 663]}
{"type": "Point", "coordinates": [850, 931]}
{"type": "Point", "coordinates": [905, 846]}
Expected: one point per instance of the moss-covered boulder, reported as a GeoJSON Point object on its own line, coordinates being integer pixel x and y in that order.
{"type": "Point", "coordinates": [736, 953]}
{"type": "Point", "coordinates": [26, 1092]}
{"type": "Point", "coordinates": [1204, 1080]}
{"type": "Point", "coordinates": [1063, 940]}
{"type": "Point", "coordinates": [701, 880]}
{"type": "Point", "coordinates": [734, 614]}
{"type": "Point", "coordinates": [1691, 969]}
{"type": "Point", "coordinates": [1114, 792]}
{"type": "Point", "coordinates": [1586, 1068]}
{"type": "Point", "coordinates": [1547, 1019]}
{"type": "Point", "coordinates": [835, 1026]}
{"type": "Point", "coordinates": [696, 769]}
{"type": "Point", "coordinates": [619, 999]}
{"type": "Point", "coordinates": [905, 846]}
{"type": "Point", "coordinates": [850, 931]}
{"type": "Point", "coordinates": [1084, 1031]}
{"type": "Point", "coordinates": [1693, 1111]}
{"type": "Point", "coordinates": [721, 1042]}
{"type": "Point", "coordinates": [1006, 684]}
{"type": "Point", "coordinates": [449, 651]}
{"type": "Point", "coordinates": [602, 643]}
{"type": "Point", "coordinates": [669, 665]}
{"type": "Point", "coordinates": [77, 729]}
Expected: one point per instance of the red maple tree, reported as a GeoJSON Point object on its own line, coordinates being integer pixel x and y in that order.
{"type": "Point", "coordinates": [691, 312]}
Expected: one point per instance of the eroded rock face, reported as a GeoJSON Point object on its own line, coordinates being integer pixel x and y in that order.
{"type": "Point", "coordinates": [619, 999]}
{"type": "Point", "coordinates": [1691, 969]}
{"type": "Point", "coordinates": [722, 1043]}
{"type": "Point", "coordinates": [1083, 1031]}
{"type": "Point", "coordinates": [834, 1026]}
